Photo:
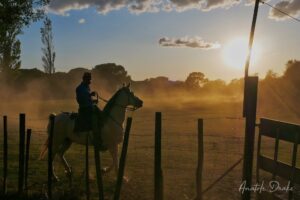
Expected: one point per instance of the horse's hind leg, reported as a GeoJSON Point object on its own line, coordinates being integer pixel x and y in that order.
{"type": "Point", "coordinates": [64, 147]}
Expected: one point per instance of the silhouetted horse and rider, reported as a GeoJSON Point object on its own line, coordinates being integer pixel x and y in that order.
{"type": "Point", "coordinates": [105, 128]}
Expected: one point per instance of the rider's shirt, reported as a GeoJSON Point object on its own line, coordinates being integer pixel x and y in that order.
{"type": "Point", "coordinates": [83, 96]}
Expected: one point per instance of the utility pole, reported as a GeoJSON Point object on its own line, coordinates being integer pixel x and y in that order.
{"type": "Point", "coordinates": [251, 37]}
{"type": "Point", "coordinates": [249, 112]}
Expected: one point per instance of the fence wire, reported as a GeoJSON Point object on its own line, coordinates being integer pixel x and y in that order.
{"type": "Point", "coordinates": [222, 147]}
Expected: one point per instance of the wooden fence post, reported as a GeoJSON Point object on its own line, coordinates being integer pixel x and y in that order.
{"type": "Point", "coordinates": [4, 153]}
{"type": "Point", "coordinates": [158, 174]}
{"type": "Point", "coordinates": [251, 84]}
{"type": "Point", "coordinates": [87, 181]}
{"type": "Point", "coordinates": [123, 159]}
{"type": "Point", "coordinates": [200, 160]}
{"type": "Point", "coordinates": [50, 158]}
{"type": "Point", "coordinates": [21, 152]}
{"type": "Point", "coordinates": [27, 157]}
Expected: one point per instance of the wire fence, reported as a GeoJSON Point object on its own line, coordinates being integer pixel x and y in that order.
{"type": "Point", "coordinates": [223, 143]}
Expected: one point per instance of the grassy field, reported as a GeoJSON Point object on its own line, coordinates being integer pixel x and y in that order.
{"type": "Point", "coordinates": [223, 146]}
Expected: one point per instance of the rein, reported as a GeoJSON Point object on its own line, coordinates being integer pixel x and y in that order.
{"type": "Point", "coordinates": [127, 108]}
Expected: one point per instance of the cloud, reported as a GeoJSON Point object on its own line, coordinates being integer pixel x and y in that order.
{"type": "Point", "coordinates": [62, 7]}
{"type": "Point", "coordinates": [292, 7]}
{"type": "Point", "coordinates": [252, 2]}
{"type": "Point", "coordinates": [212, 4]}
{"type": "Point", "coordinates": [81, 21]}
{"type": "Point", "coordinates": [190, 42]}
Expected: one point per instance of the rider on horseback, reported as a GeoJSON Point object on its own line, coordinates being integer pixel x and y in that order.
{"type": "Point", "coordinates": [87, 106]}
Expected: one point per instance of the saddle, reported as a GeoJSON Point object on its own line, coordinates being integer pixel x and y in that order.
{"type": "Point", "coordinates": [84, 123]}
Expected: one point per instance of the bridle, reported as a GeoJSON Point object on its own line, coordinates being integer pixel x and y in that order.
{"type": "Point", "coordinates": [127, 108]}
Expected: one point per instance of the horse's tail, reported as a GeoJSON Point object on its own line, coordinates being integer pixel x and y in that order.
{"type": "Point", "coordinates": [45, 145]}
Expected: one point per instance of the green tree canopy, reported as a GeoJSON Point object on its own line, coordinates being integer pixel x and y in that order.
{"type": "Point", "coordinates": [14, 15]}
{"type": "Point", "coordinates": [195, 80]}
{"type": "Point", "coordinates": [48, 57]}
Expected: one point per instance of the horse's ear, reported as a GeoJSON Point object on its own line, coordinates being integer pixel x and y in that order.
{"type": "Point", "coordinates": [128, 85]}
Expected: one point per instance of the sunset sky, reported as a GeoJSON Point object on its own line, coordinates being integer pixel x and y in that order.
{"type": "Point", "coordinates": [167, 38]}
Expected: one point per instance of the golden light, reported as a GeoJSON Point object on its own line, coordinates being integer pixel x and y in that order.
{"type": "Point", "coordinates": [235, 53]}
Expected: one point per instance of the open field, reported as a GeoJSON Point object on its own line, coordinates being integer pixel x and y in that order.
{"type": "Point", "coordinates": [223, 146]}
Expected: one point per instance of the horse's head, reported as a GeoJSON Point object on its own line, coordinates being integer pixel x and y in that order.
{"type": "Point", "coordinates": [130, 98]}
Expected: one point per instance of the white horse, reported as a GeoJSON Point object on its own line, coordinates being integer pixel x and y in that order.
{"type": "Point", "coordinates": [111, 131]}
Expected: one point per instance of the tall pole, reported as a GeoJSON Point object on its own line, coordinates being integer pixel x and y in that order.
{"type": "Point", "coordinates": [249, 112]}
{"type": "Point", "coordinates": [252, 85]}
{"type": "Point", "coordinates": [251, 39]}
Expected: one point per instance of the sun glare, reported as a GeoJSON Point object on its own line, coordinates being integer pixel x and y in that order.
{"type": "Point", "coordinates": [235, 53]}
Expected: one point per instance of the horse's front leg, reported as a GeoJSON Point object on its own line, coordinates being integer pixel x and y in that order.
{"type": "Point", "coordinates": [114, 153]}
{"type": "Point", "coordinates": [64, 147]}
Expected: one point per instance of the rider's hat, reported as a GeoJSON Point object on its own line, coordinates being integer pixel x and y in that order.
{"type": "Point", "coordinates": [87, 75]}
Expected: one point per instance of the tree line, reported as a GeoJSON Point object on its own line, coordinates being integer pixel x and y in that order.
{"type": "Point", "coordinates": [110, 76]}
{"type": "Point", "coordinates": [14, 16]}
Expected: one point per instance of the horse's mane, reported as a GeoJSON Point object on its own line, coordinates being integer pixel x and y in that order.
{"type": "Point", "coordinates": [107, 108]}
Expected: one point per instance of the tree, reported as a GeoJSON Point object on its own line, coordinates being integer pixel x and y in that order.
{"type": "Point", "coordinates": [292, 71]}
{"type": "Point", "coordinates": [10, 50]}
{"type": "Point", "coordinates": [195, 80]}
{"type": "Point", "coordinates": [113, 74]}
{"type": "Point", "coordinates": [14, 16]}
{"type": "Point", "coordinates": [270, 75]}
{"type": "Point", "coordinates": [48, 57]}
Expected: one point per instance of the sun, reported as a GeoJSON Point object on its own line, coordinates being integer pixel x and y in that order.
{"type": "Point", "coordinates": [235, 53]}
